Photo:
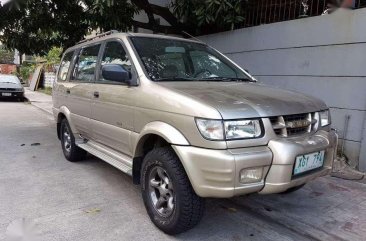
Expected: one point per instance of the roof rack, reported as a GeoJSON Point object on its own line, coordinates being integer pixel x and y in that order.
{"type": "Point", "coordinates": [98, 36]}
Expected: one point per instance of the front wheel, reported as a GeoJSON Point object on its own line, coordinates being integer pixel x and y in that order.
{"type": "Point", "coordinates": [169, 198]}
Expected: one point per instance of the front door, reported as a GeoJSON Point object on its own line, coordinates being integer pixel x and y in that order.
{"type": "Point", "coordinates": [112, 102]}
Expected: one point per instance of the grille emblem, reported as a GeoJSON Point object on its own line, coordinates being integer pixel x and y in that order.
{"type": "Point", "coordinates": [298, 123]}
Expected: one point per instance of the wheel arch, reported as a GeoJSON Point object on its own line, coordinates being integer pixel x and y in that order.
{"type": "Point", "coordinates": [154, 134]}
{"type": "Point", "coordinates": [160, 129]}
{"type": "Point", "coordinates": [64, 113]}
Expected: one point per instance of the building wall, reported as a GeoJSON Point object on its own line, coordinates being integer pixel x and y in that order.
{"type": "Point", "coordinates": [49, 79]}
{"type": "Point", "coordinates": [323, 56]}
{"type": "Point", "coordinates": [8, 68]}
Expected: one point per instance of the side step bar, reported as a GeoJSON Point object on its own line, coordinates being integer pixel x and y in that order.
{"type": "Point", "coordinates": [114, 158]}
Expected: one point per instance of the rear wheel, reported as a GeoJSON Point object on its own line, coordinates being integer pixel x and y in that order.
{"type": "Point", "coordinates": [169, 198]}
{"type": "Point", "coordinates": [71, 152]}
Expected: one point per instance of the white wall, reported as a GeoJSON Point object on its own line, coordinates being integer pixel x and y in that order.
{"type": "Point", "coordinates": [49, 78]}
{"type": "Point", "coordinates": [323, 56]}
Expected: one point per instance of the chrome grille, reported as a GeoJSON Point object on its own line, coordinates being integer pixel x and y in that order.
{"type": "Point", "coordinates": [8, 89]}
{"type": "Point", "coordinates": [292, 125]}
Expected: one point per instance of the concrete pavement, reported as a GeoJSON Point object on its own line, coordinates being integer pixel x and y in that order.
{"type": "Point", "coordinates": [39, 100]}
{"type": "Point", "coordinates": [90, 200]}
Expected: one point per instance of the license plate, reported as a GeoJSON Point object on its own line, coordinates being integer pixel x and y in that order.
{"type": "Point", "coordinates": [309, 162]}
{"type": "Point", "coordinates": [6, 94]}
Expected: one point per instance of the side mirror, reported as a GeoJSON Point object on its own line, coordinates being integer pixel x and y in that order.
{"type": "Point", "coordinates": [116, 72]}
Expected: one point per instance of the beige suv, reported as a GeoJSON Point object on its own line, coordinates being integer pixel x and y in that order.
{"type": "Point", "coordinates": [186, 123]}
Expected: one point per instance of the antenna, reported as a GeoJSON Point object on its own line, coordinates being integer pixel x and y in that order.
{"type": "Point", "coordinates": [199, 40]}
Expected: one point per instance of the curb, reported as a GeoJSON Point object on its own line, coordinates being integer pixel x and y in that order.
{"type": "Point", "coordinates": [39, 107]}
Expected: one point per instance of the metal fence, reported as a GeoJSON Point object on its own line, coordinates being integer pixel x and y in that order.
{"type": "Point", "coordinates": [269, 11]}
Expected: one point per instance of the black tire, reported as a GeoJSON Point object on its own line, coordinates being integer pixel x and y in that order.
{"type": "Point", "coordinates": [293, 189]}
{"type": "Point", "coordinates": [71, 152]}
{"type": "Point", "coordinates": [188, 207]}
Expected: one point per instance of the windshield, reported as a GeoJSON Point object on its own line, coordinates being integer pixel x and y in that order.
{"type": "Point", "coordinates": [9, 79]}
{"type": "Point", "coordinates": [170, 59]}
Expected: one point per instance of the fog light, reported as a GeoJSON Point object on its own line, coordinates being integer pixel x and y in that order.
{"type": "Point", "coordinates": [251, 175]}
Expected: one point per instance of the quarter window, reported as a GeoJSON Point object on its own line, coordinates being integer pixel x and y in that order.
{"type": "Point", "coordinates": [114, 53]}
{"type": "Point", "coordinates": [64, 67]}
{"type": "Point", "coordinates": [84, 70]}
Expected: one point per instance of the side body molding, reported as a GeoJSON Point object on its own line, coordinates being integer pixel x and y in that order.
{"type": "Point", "coordinates": [166, 131]}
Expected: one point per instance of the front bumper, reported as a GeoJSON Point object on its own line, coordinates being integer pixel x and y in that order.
{"type": "Point", "coordinates": [215, 173]}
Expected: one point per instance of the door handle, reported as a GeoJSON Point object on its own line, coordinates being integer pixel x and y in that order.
{"type": "Point", "coordinates": [67, 91]}
{"type": "Point", "coordinates": [96, 94]}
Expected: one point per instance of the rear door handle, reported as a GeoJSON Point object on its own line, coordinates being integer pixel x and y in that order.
{"type": "Point", "coordinates": [67, 91]}
{"type": "Point", "coordinates": [96, 94]}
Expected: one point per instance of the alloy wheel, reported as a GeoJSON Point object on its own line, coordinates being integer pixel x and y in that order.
{"type": "Point", "coordinates": [161, 191]}
{"type": "Point", "coordinates": [67, 139]}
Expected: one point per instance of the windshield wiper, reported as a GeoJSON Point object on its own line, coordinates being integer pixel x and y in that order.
{"type": "Point", "coordinates": [228, 79]}
{"type": "Point", "coordinates": [173, 79]}
{"type": "Point", "coordinates": [221, 79]}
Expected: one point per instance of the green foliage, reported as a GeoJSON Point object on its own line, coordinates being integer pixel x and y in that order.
{"type": "Point", "coordinates": [104, 15]}
{"type": "Point", "coordinates": [26, 69]}
{"type": "Point", "coordinates": [46, 90]}
{"type": "Point", "coordinates": [35, 26]}
{"type": "Point", "coordinates": [6, 56]}
{"type": "Point", "coordinates": [53, 57]}
{"type": "Point", "coordinates": [224, 14]}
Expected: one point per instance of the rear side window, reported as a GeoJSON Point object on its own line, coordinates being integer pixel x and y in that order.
{"type": "Point", "coordinates": [84, 69]}
{"type": "Point", "coordinates": [64, 67]}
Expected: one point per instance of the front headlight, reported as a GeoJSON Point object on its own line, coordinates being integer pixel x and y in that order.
{"type": "Point", "coordinates": [242, 129]}
{"type": "Point", "coordinates": [324, 118]}
{"type": "Point", "coordinates": [211, 129]}
{"type": "Point", "coordinates": [229, 130]}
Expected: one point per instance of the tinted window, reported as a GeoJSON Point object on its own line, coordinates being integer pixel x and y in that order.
{"type": "Point", "coordinates": [64, 67]}
{"type": "Point", "coordinates": [114, 53]}
{"type": "Point", "coordinates": [84, 69]}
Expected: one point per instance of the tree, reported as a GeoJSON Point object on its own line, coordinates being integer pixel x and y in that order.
{"type": "Point", "coordinates": [52, 58]}
{"type": "Point", "coordinates": [35, 26]}
{"type": "Point", "coordinates": [212, 14]}
{"type": "Point", "coordinates": [6, 56]}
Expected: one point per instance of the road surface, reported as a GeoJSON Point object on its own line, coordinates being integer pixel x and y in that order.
{"type": "Point", "coordinates": [91, 200]}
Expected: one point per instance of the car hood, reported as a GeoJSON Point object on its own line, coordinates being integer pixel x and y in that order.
{"type": "Point", "coordinates": [9, 85]}
{"type": "Point", "coordinates": [247, 100]}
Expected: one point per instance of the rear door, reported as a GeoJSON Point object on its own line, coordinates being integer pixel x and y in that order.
{"type": "Point", "coordinates": [59, 89]}
{"type": "Point", "coordinates": [80, 88]}
{"type": "Point", "coordinates": [112, 103]}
